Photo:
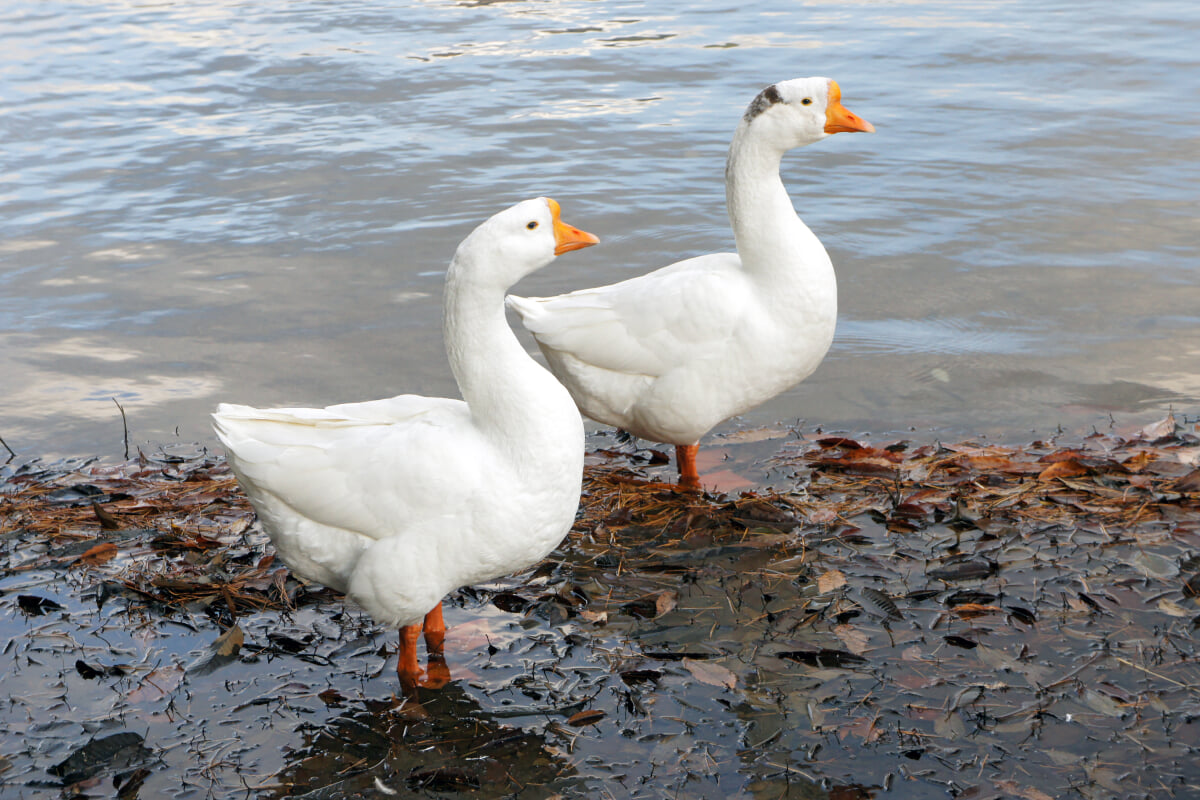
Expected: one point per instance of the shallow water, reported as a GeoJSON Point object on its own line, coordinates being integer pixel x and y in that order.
{"type": "Point", "coordinates": [255, 202]}
{"type": "Point", "coordinates": [923, 622]}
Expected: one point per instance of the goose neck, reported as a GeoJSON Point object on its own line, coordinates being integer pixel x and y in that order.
{"type": "Point", "coordinates": [510, 396]}
{"type": "Point", "coordinates": [765, 226]}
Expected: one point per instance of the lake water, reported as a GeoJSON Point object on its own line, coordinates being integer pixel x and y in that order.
{"type": "Point", "coordinates": [255, 202]}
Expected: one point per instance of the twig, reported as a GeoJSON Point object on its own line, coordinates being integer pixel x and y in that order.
{"type": "Point", "coordinates": [125, 427]}
{"type": "Point", "coordinates": [11, 454]}
{"type": "Point", "coordinates": [1155, 674]}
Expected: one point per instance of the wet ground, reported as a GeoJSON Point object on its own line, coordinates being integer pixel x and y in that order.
{"type": "Point", "coordinates": [847, 619]}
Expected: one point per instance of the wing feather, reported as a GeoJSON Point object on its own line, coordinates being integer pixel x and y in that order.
{"type": "Point", "coordinates": [644, 325]}
{"type": "Point", "coordinates": [368, 468]}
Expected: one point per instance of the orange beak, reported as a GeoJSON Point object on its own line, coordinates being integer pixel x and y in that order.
{"type": "Point", "coordinates": [568, 237]}
{"type": "Point", "coordinates": [839, 119]}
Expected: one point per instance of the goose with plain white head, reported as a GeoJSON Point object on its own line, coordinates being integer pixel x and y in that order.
{"type": "Point", "coordinates": [398, 502]}
{"type": "Point", "coordinates": [669, 355]}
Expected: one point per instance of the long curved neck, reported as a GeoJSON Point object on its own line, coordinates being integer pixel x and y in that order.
{"type": "Point", "coordinates": [511, 397]}
{"type": "Point", "coordinates": [775, 246]}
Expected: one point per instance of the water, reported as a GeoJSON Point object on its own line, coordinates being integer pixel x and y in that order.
{"type": "Point", "coordinates": [254, 202]}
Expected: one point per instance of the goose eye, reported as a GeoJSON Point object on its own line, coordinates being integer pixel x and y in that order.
{"type": "Point", "coordinates": [807, 101]}
{"type": "Point", "coordinates": [532, 225]}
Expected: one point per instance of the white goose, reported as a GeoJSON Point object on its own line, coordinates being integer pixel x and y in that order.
{"type": "Point", "coordinates": [668, 355]}
{"type": "Point", "coordinates": [398, 502]}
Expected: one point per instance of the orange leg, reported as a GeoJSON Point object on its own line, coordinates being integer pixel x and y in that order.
{"type": "Point", "coordinates": [685, 459]}
{"type": "Point", "coordinates": [435, 630]}
{"type": "Point", "coordinates": [406, 663]}
{"type": "Point", "coordinates": [435, 638]}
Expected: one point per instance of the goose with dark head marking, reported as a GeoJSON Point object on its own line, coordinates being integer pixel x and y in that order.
{"type": "Point", "coordinates": [398, 502]}
{"type": "Point", "coordinates": [668, 355]}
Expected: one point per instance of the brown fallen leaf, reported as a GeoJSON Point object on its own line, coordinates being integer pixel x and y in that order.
{"type": "Point", "coordinates": [712, 674]}
{"type": "Point", "coordinates": [830, 580]}
{"type": "Point", "coordinates": [157, 684]}
{"type": "Point", "coordinates": [972, 610]}
{"type": "Point", "coordinates": [1172, 608]}
{"type": "Point", "coordinates": [107, 521]}
{"type": "Point", "coordinates": [98, 554]}
{"type": "Point", "coordinates": [229, 642]}
{"type": "Point", "coordinates": [666, 601]}
{"type": "Point", "coordinates": [1189, 483]}
{"type": "Point", "coordinates": [1069, 468]}
{"type": "Point", "coordinates": [590, 717]}
{"type": "Point", "coordinates": [856, 640]}
{"type": "Point", "coordinates": [1024, 792]}
{"type": "Point", "coordinates": [223, 651]}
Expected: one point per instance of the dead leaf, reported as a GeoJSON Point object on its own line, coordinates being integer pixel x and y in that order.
{"type": "Point", "coordinates": [1069, 468]}
{"type": "Point", "coordinates": [635, 676]}
{"type": "Point", "coordinates": [973, 610]}
{"type": "Point", "coordinates": [98, 554]}
{"type": "Point", "coordinates": [157, 684]}
{"type": "Point", "coordinates": [35, 605]}
{"type": "Point", "coordinates": [1153, 565]}
{"type": "Point", "coordinates": [855, 640]}
{"type": "Point", "coordinates": [1189, 483]}
{"type": "Point", "coordinates": [830, 580]}
{"type": "Point", "coordinates": [223, 651]}
{"type": "Point", "coordinates": [590, 717]}
{"type": "Point", "coordinates": [712, 674]}
{"type": "Point", "coordinates": [1157, 430]}
{"type": "Point", "coordinates": [878, 603]}
{"type": "Point", "coordinates": [867, 728]}
{"type": "Point", "coordinates": [825, 657]}
{"type": "Point", "coordinates": [99, 754]}
{"type": "Point", "coordinates": [107, 521]}
{"type": "Point", "coordinates": [1024, 792]}
{"type": "Point", "coordinates": [666, 601]}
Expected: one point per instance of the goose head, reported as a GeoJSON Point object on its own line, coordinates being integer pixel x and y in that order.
{"type": "Point", "coordinates": [800, 111]}
{"type": "Point", "coordinates": [517, 241]}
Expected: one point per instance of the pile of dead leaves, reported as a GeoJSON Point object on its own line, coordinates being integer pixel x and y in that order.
{"type": "Point", "coordinates": [163, 531]}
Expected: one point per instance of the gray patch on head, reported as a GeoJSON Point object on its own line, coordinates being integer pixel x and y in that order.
{"type": "Point", "coordinates": [766, 98]}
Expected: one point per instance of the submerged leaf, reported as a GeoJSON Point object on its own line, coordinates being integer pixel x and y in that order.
{"type": "Point", "coordinates": [969, 569]}
{"type": "Point", "coordinates": [117, 750]}
{"type": "Point", "coordinates": [98, 554]}
{"type": "Point", "coordinates": [107, 521]}
{"type": "Point", "coordinates": [590, 717]}
{"type": "Point", "coordinates": [635, 676]}
{"type": "Point", "coordinates": [710, 673]}
{"type": "Point", "coordinates": [855, 639]}
{"type": "Point", "coordinates": [878, 603]}
{"type": "Point", "coordinates": [961, 641]}
{"type": "Point", "coordinates": [36, 606]}
{"type": "Point", "coordinates": [830, 580]}
{"type": "Point", "coordinates": [511, 602]}
{"type": "Point", "coordinates": [222, 651]}
{"type": "Point", "coordinates": [1022, 614]}
{"type": "Point", "coordinates": [824, 657]}
{"type": "Point", "coordinates": [1153, 565]}
{"type": "Point", "coordinates": [443, 779]}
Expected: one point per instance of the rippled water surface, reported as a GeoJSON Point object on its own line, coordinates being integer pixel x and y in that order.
{"type": "Point", "coordinates": [255, 202]}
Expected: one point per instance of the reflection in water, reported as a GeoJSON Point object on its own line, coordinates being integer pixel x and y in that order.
{"type": "Point", "coordinates": [444, 743]}
{"type": "Point", "coordinates": [237, 197]}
